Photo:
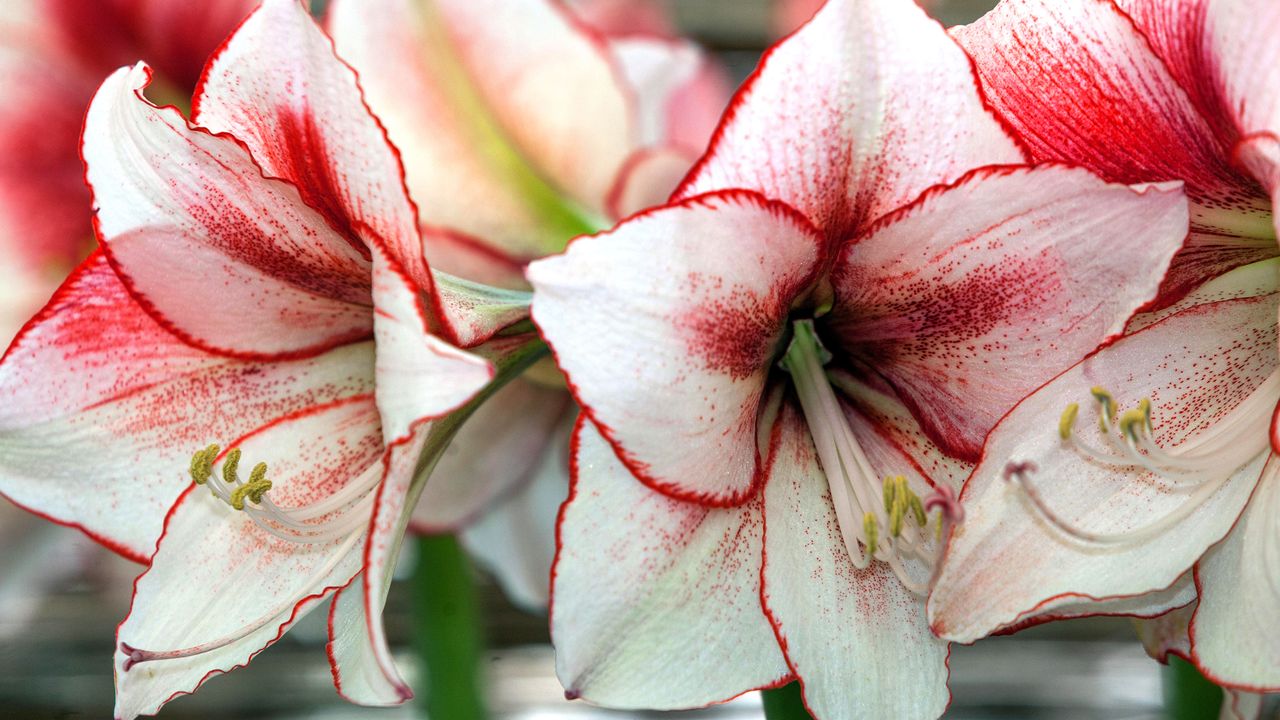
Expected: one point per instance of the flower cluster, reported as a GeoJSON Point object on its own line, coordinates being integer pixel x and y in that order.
{"type": "Point", "coordinates": [921, 336]}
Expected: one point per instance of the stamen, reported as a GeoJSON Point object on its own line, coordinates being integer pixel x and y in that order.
{"type": "Point", "coordinates": [863, 511]}
{"type": "Point", "coordinates": [326, 520]}
{"type": "Point", "coordinates": [1202, 465]}
{"type": "Point", "coordinates": [870, 528]}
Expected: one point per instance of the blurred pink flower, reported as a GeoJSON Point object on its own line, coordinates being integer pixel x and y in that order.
{"type": "Point", "coordinates": [53, 55]}
{"type": "Point", "coordinates": [521, 127]}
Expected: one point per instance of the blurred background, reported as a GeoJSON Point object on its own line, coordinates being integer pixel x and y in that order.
{"type": "Point", "coordinates": [61, 595]}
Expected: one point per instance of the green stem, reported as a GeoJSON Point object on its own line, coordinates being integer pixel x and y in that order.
{"type": "Point", "coordinates": [1187, 694]}
{"type": "Point", "coordinates": [449, 640]}
{"type": "Point", "coordinates": [784, 703]}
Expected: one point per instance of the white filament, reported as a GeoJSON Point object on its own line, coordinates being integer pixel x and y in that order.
{"type": "Point", "coordinates": [856, 488]}
{"type": "Point", "coordinates": [1201, 465]}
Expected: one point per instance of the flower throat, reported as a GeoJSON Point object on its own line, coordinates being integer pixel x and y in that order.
{"type": "Point", "coordinates": [879, 519]}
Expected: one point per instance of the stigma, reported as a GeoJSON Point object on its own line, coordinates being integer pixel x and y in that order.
{"type": "Point", "coordinates": [881, 519]}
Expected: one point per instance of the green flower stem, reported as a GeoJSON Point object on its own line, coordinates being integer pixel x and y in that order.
{"type": "Point", "coordinates": [1187, 694]}
{"type": "Point", "coordinates": [784, 703]}
{"type": "Point", "coordinates": [449, 641]}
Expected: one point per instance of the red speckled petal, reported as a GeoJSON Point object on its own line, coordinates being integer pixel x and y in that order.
{"type": "Point", "coordinates": [278, 86]}
{"type": "Point", "coordinates": [1080, 84]}
{"type": "Point", "coordinates": [498, 449]}
{"type": "Point", "coordinates": [979, 293]}
{"type": "Point", "coordinates": [656, 602]}
{"type": "Point", "coordinates": [504, 105]}
{"type": "Point", "coordinates": [1198, 367]}
{"type": "Point", "coordinates": [1244, 44]}
{"type": "Point", "coordinates": [1236, 631]}
{"type": "Point", "coordinates": [420, 379]}
{"type": "Point", "coordinates": [217, 573]}
{"type": "Point", "coordinates": [231, 261]}
{"type": "Point", "coordinates": [848, 634]}
{"type": "Point", "coordinates": [101, 409]}
{"type": "Point", "coordinates": [667, 328]}
{"type": "Point", "coordinates": [854, 116]}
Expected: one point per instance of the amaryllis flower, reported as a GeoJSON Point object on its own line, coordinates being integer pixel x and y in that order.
{"type": "Point", "coordinates": [1107, 513]}
{"type": "Point", "coordinates": [260, 287]}
{"type": "Point", "coordinates": [776, 366]}
{"type": "Point", "coordinates": [520, 127]}
{"type": "Point", "coordinates": [53, 55]}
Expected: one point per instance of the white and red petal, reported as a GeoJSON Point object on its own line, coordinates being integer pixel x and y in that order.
{"type": "Point", "coordinates": [90, 430]}
{"type": "Point", "coordinates": [1080, 83]}
{"type": "Point", "coordinates": [419, 376]}
{"type": "Point", "coordinates": [1166, 634]}
{"type": "Point", "coordinates": [514, 122]}
{"type": "Point", "coordinates": [667, 326]}
{"type": "Point", "coordinates": [226, 258]}
{"type": "Point", "coordinates": [1199, 368]}
{"type": "Point", "coordinates": [1241, 45]}
{"type": "Point", "coordinates": [1235, 634]}
{"type": "Point", "coordinates": [854, 116]}
{"type": "Point", "coordinates": [1241, 705]}
{"type": "Point", "coordinates": [496, 452]}
{"type": "Point", "coordinates": [206, 587]}
{"type": "Point", "coordinates": [656, 602]}
{"type": "Point", "coordinates": [277, 86]}
{"type": "Point", "coordinates": [1017, 262]}
{"type": "Point", "coordinates": [515, 540]}
{"type": "Point", "coordinates": [419, 379]}
{"type": "Point", "coordinates": [852, 637]}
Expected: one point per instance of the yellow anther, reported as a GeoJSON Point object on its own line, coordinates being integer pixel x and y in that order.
{"type": "Point", "coordinates": [1144, 406]}
{"type": "Point", "coordinates": [871, 529]}
{"type": "Point", "coordinates": [258, 489]}
{"type": "Point", "coordinates": [259, 473]}
{"type": "Point", "coordinates": [252, 491]}
{"type": "Point", "coordinates": [230, 465]}
{"type": "Point", "coordinates": [1106, 407]}
{"type": "Point", "coordinates": [1067, 423]}
{"type": "Point", "coordinates": [889, 491]}
{"type": "Point", "coordinates": [202, 464]}
{"type": "Point", "coordinates": [896, 517]}
{"type": "Point", "coordinates": [1130, 421]}
{"type": "Point", "coordinates": [937, 530]}
{"type": "Point", "coordinates": [917, 510]}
